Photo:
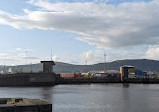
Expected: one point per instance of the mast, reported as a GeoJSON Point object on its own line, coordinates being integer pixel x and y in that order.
{"type": "Point", "coordinates": [4, 68]}
{"type": "Point", "coordinates": [104, 62]}
{"type": "Point", "coordinates": [26, 61]}
{"type": "Point", "coordinates": [86, 65]}
{"type": "Point", "coordinates": [51, 54]}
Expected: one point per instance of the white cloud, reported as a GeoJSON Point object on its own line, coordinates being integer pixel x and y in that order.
{"type": "Point", "coordinates": [28, 49]}
{"type": "Point", "coordinates": [152, 52]}
{"type": "Point", "coordinates": [103, 25]}
{"type": "Point", "coordinates": [107, 26]}
{"type": "Point", "coordinates": [3, 54]}
{"type": "Point", "coordinates": [22, 49]}
{"type": "Point", "coordinates": [55, 58]}
{"type": "Point", "coordinates": [126, 54]}
{"type": "Point", "coordinates": [97, 56]}
{"type": "Point", "coordinates": [17, 56]}
{"type": "Point", "coordinates": [92, 57]}
{"type": "Point", "coordinates": [8, 58]}
{"type": "Point", "coordinates": [18, 49]}
{"type": "Point", "coordinates": [86, 57]}
{"type": "Point", "coordinates": [22, 55]}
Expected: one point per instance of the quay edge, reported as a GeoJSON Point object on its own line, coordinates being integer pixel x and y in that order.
{"type": "Point", "coordinates": [45, 78]}
{"type": "Point", "coordinates": [24, 105]}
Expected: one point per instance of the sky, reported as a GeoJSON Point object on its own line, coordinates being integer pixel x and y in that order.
{"type": "Point", "coordinates": [76, 31]}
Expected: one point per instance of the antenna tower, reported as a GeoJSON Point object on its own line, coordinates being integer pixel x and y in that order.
{"type": "Point", "coordinates": [104, 62]}
{"type": "Point", "coordinates": [51, 54]}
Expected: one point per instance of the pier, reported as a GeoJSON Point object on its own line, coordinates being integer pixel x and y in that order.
{"type": "Point", "coordinates": [24, 105]}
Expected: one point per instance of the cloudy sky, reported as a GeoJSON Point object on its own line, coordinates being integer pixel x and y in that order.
{"type": "Point", "coordinates": [78, 30]}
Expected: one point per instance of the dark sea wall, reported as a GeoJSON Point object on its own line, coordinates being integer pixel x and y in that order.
{"type": "Point", "coordinates": [29, 108]}
{"type": "Point", "coordinates": [27, 79]}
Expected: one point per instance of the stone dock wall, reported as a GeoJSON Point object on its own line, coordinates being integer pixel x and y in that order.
{"type": "Point", "coordinates": [31, 108]}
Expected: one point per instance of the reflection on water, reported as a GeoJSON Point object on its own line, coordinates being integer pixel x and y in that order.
{"type": "Point", "coordinates": [93, 97]}
{"type": "Point", "coordinates": [47, 93]}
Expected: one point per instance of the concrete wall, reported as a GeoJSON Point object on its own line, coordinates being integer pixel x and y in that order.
{"type": "Point", "coordinates": [28, 79]}
{"type": "Point", "coordinates": [32, 108]}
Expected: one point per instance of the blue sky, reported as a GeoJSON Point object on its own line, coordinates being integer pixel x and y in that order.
{"type": "Point", "coordinates": [78, 30]}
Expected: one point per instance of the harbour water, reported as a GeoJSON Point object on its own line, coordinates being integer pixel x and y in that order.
{"type": "Point", "coordinates": [93, 97]}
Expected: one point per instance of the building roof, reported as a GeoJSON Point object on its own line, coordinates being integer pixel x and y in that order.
{"type": "Point", "coordinates": [128, 66]}
{"type": "Point", "coordinates": [51, 62]}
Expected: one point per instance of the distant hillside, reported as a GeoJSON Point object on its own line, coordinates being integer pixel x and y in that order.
{"type": "Point", "coordinates": [142, 64]}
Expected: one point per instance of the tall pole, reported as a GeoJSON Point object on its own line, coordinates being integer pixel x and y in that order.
{"type": "Point", "coordinates": [16, 68]}
{"type": "Point", "coordinates": [4, 68]}
{"type": "Point", "coordinates": [86, 62]}
{"type": "Point", "coordinates": [26, 60]}
{"type": "Point", "coordinates": [51, 54]}
{"type": "Point", "coordinates": [104, 62]}
{"type": "Point", "coordinates": [31, 68]}
{"type": "Point", "coordinates": [86, 65]}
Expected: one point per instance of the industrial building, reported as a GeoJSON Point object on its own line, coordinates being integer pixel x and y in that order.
{"type": "Point", "coordinates": [45, 78]}
{"type": "Point", "coordinates": [48, 66]}
{"type": "Point", "coordinates": [127, 71]}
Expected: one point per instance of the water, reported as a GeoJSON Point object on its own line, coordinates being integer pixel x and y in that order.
{"type": "Point", "coordinates": [93, 97]}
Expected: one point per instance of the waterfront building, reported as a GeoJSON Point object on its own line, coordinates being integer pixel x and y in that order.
{"type": "Point", "coordinates": [127, 71]}
{"type": "Point", "coordinates": [45, 78]}
{"type": "Point", "coordinates": [48, 66]}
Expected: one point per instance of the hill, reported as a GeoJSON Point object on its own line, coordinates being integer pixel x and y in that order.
{"type": "Point", "coordinates": [142, 64]}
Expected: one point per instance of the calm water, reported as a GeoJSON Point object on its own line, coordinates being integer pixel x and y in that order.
{"type": "Point", "coordinates": [93, 97]}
